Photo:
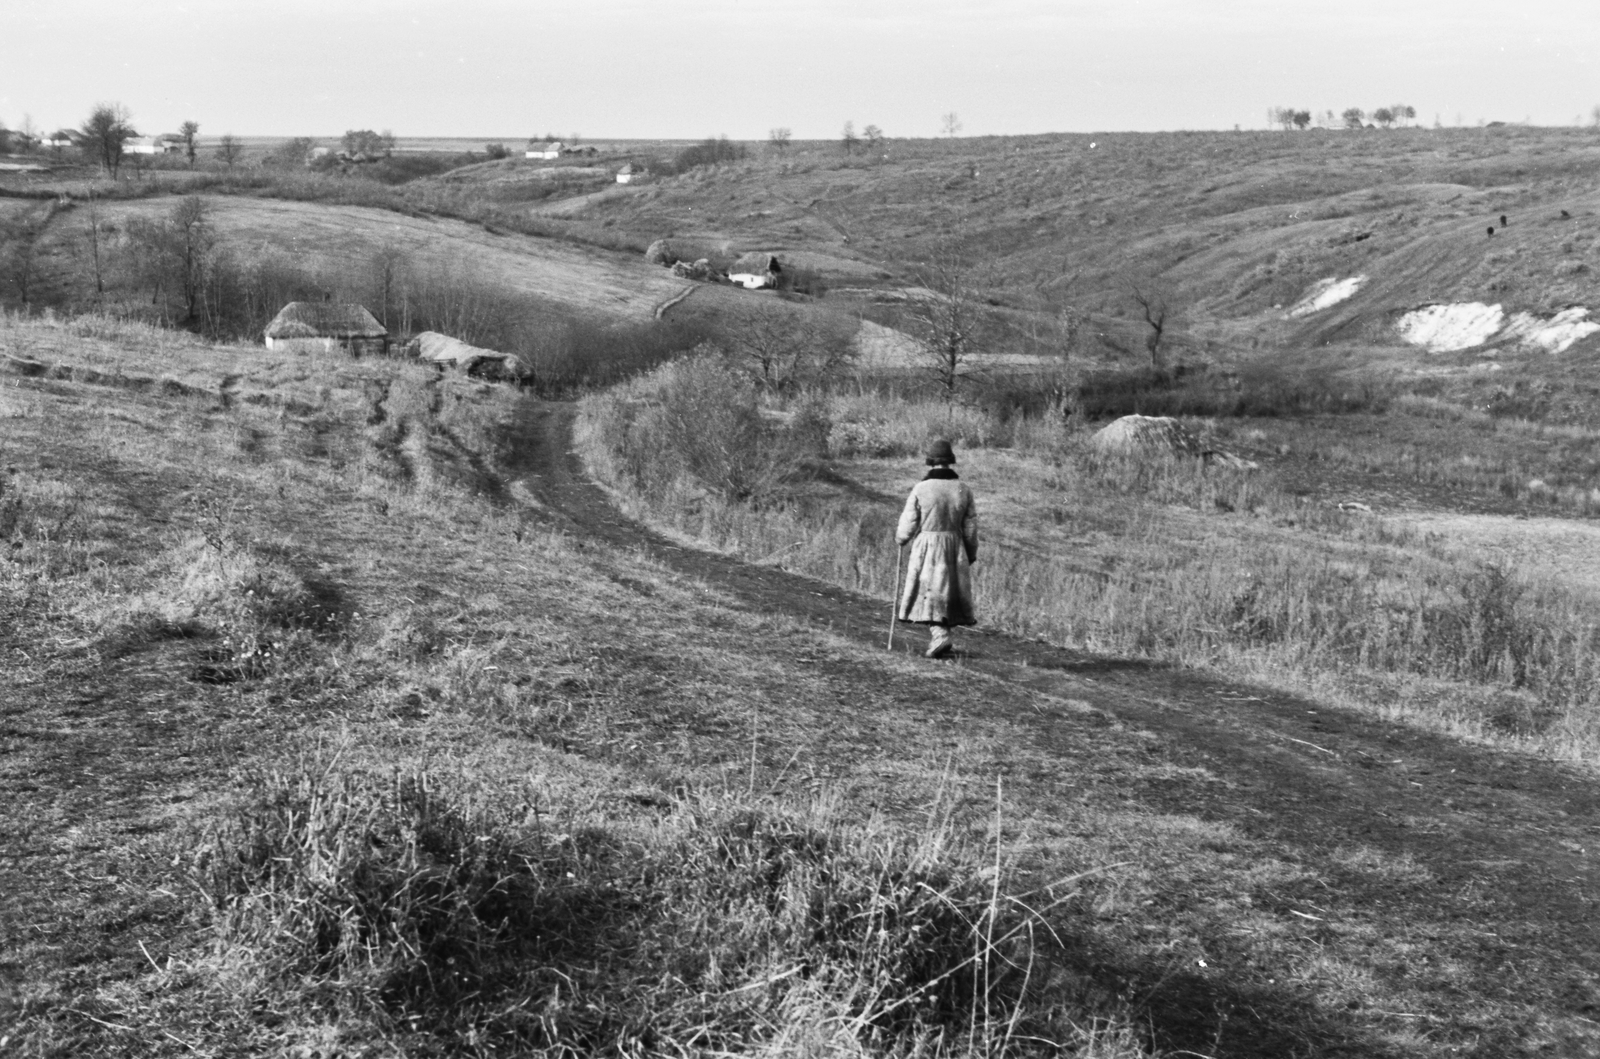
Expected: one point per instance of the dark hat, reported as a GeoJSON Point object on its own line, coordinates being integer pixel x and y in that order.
{"type": "Point", "coordinates": [940, 452]}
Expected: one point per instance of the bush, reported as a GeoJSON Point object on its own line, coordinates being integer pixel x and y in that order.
{"type": "Point", "coordinates": [709, 151]}
{"type": "Point", "coordinates": [701, 423]}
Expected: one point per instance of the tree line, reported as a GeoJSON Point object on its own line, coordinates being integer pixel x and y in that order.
{"type": "Point", "coordinates": [1351, 118]}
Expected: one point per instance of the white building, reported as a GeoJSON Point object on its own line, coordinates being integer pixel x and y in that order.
{"type": "Point", "coordinates": [755, 270]}
{"type": "Point", "coordinates": [544, 150]}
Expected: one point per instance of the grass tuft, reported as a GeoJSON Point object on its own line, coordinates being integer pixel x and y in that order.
{"type": "Point", "coordinates": [727, 925]}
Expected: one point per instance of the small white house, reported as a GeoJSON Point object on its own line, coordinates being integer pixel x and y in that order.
{"type": "Point", "coordinates": [627, 173]}
{"type": "Point", "coordinates": [755, 270]}
{"type": "Point", "coordinates": [142, 145]}
{"type": "Point", "coordinates": [545, 150]}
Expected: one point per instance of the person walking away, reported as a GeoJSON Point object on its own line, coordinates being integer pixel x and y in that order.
{"type": "Point", "coordinates": [940, 521]}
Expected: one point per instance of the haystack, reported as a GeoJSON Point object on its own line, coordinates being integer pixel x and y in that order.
{"type": "Point", "coordinates": [1134, 435]}
{"type": "Point", "coordinates": [660, 252]}
{"type": "Point", "coordinates": [445, 351]}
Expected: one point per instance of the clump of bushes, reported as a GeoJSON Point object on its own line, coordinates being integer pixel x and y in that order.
{"type": "Point", "coordinates": [710, 151]}
{"type": "Point", "coordinates": [698, 425]}
{"type": "Point", "coordinates": [398, 907]}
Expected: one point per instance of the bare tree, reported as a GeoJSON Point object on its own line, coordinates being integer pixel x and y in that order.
{"type": "Point", "coordinates": [946, 321]}
{"type": "Point", "coordinates": [848, 138]}
{"type": "Point", "coordinates": [950, 124]}
{"type": "Point", "coordinates": [106, 132]}
{"type": "Point", "coordinates": [874, 137]}
{"type": "Point", "coordinates": [189, 132]}
{"type": "Point", "coordinates": [779, 138]}
{"type": "Point", "coordinates": [1353, 117]}
{"type": "Point", "coordinates": [229, 150]}
{"type": "Point", "coordinates": [193, 242]}
{"type": "Point", "coordinates": [19, 260]}
{"type": "Point", "coordinates": [1153, 303]}
{"type": "Point", "coordinates": [782, 352]}
{"type": "Point", "coordinates": [95, 257]}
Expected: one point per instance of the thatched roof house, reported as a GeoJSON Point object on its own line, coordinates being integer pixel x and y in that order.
{"type": "Point", "coordinates": [755, 270]}
{"type": "Point", "coordinates": [326, 327]}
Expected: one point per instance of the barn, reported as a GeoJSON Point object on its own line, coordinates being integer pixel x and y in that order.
{"type": "Point", "coordinates": [627, 174]}
{"type": "Point", "coordinates": [326, 327]}
{"type": "Point", "coordinates": [544, 150]}
{"type": "Point", "coordinates": [755, 270]}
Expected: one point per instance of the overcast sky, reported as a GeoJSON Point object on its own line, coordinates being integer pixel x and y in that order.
{"type": "Point", "coordinates": [689, 68]}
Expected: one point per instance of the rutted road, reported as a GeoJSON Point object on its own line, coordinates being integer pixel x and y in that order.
{"type": "Point", "coordinates": [1511, 842]}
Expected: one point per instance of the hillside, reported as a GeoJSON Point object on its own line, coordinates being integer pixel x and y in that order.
{"type": "Point", "coordinates": [322, 676]}
{"type": "Point", "coordinates": [1234, 228]}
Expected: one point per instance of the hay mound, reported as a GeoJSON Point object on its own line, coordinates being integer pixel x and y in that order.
{"type": "Point", "coordinates": [660, 252]}
{"type": "Point", "coordinates": [1145, 434]}
{"type": "Point", "coordinates": [445, 351]}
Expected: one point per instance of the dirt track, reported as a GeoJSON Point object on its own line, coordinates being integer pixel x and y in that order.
{"type": "Point", "coordinates": [1510, 842]}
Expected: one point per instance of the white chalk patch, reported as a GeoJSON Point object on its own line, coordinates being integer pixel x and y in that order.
{"type": "Point", "coordinates": [1325, 294]}
{"type": "Point", "coordinates": [1450, 328]}
{"type": "Point", "coordinates": [1555, 335]}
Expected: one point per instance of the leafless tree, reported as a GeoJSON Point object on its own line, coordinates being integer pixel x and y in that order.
{"type": "Point", "coordinates": [106, 132]}
{"type": "Point", "coordinates": [950, 124]}
{"type": "Point", "coordinates": [193, 241]}
{"type": "Point", "coordinates": [874, 137]}
{"type": "Point", "coordinates": [189, 131]}
{"type": "Point", "coordinates": [782, 352]}
{"type": "Point", "coordinates": [19, 260]}
{"type": "Point", "coordinates": [229, 150]}
{"type": "Point", "coordinates": [1153, 303]}
{"type": "Point", "coordinates": [779, 138]}
{"type": "Point", "coordinates": [96, 258]}
{"type": "Point", "coordinates": [848, 138]}
{"type": "Point", "coordinates": [946, 321]}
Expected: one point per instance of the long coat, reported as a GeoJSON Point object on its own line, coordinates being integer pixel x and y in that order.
{"type": "Point", "coordinates": [941, 521]}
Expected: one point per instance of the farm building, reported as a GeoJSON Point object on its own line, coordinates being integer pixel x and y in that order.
{"type": "Point", "coordinates": [444, 352]}
{"type": "Point", "coordinates": [153, 145]}
{"type": "Point", "coordinates": [755, 270]}
{"type": "Point", "coordinates": [627, 174]}
{"type": "Point", "coordinates": [324, 327]}
{"type": "Point", "coordinates": [544, 150]}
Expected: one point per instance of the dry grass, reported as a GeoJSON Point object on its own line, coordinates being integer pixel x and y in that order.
{"type": "Point", "coordinates": [1168, 559]}
{"type": "Point", "coordinates": [496, 704]}
{"type": "Point", "coordinates": [423, 805]}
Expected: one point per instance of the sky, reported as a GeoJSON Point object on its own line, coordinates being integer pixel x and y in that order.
{"type": "Point", "coordinates": [678, 69]}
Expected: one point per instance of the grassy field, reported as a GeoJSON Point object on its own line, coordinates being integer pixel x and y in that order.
{"type": "Point", "coordinates": [1243, 572]}
{"type": "Point", "coordinates": [303, 705]}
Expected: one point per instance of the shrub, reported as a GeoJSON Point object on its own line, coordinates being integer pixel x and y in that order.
{"type": "Point", "coordinates": [702, 422]}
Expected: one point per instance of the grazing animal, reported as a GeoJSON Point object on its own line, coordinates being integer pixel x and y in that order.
{"type": "Point", "coordinates": [1503, 220]}
{"type": "Point", "coordinates": [1566, 215]}
{"type": "Point", "coordinates": [1491, 229]}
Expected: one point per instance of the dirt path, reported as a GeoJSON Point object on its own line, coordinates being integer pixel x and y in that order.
{"type": "Point", "coordinates": [1510, 842]}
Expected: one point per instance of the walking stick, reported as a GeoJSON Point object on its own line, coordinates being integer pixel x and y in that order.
{"type": "Point", "coordinates": [894, 608]}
